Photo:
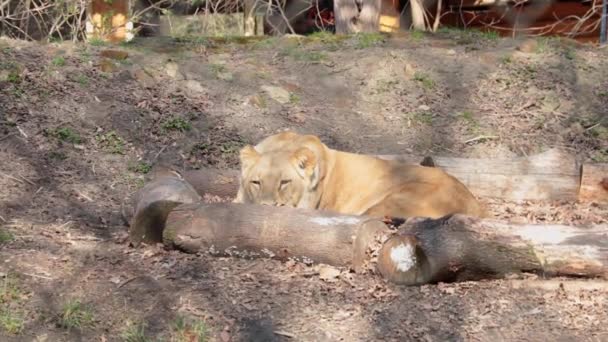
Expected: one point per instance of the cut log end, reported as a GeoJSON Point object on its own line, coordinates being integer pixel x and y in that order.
{"type": "Point", "coordinates": [402, 261]}
{"type": "Point", "coordinates": [157, 199]}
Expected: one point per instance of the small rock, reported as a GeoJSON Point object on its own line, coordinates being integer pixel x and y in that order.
{"type": "Point", "coordinates": [528, 46]}
{"type": "Point", "coordinates": [226, 76]}
{"type": "Point", "coordinates": [114, 54]}
{"type": "Point", "coordinates": [409, 70]}
{"type": "Point", "coordinates": [172, 69]}
{"type": "Point", "coordinates": [257, 101]}
{"type": "Point", "coordinates": [297, 117]}
{"type": "Point", "coordinates": [143, 78]}
{"type": "Point", "coordinates": [107, 65]}
{"type": "Point", "coordinates": [424, 108]}
{"type": "Point", "coordinates": [329, 273]}
{"type": "Point", "coordinates": [278, 94]}
{"type": "Point", "coordinates": [4, 75]}
{"type": "Point", "coordinates": [451, 52]}
{"type": "Point", "coordinates": [219, 58]}
{"type": "Point", "coordinates": [193, 87]}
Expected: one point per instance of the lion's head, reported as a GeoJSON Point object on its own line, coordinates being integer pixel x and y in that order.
{"type": "Point", "coordinates": [278, 177]}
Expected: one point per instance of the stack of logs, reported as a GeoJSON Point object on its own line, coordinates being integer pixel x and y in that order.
{"type": "Point", "coordinates": [169, 209]}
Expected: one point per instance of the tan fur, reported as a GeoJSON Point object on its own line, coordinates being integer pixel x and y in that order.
{"type": "Point", "coordinates": [300, 171]}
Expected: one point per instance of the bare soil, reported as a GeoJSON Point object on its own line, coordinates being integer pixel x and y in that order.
{"type": "Point", "coordinates": [79, 131]}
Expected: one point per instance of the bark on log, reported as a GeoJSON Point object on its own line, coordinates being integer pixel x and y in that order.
{"type": "Point", "coordinates": [594, 183]}
{"type": "Point", "coordinates": [268, 231]}
{"type": "Point", "coordinates": [551, 175]}
{"type": "Point", "coordinates": [458, 247]}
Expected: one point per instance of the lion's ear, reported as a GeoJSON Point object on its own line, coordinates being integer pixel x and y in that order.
{"type": "Point", "coordinates": [306, 164]}
{"type": "Point", "coordinates": [248, 156]}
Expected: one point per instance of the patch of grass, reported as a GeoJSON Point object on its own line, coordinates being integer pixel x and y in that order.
{"type": "Point", "coordinates": [97, 42]}
{"type": "Point", "coordinates": [422, 117]}
{"type": "Point", "coordinates": [384, 86]}
{"type": "Point", "coordinates": [600, 156]}
{"type": "Point", "coordinates": [13, 77]}
{"type": "Point", "coordinates": [185, 330]}
{"type": "Point", "coordinates": [265, 43]}
{"type": "Point", "coordinates": [176, 124]}
{"type": "Point", "coordinates": [570, 54]}
{"type": "Point", "coordinates": [5, 236]}
{"type": "Point", "coordinates": [303, 55]}
{"type": "Point", "coordinates": [217, 68]}
{"type": "Point", "coordinates": [58, 61]}
{"type": "Point", "coordinates": [467, 117]}
{"type": "Point", "coordinates": [57, 155]}
{"type": "Point", "coordinates": [506, 60]}
{"type": "Point", "coordinates": [11, 321]}
{"type": "Point", "coordinates": [294, 98]}
{"type": "Point", "coordinates": [135, 332]}
{"type": "Point", "coordinates": [111, 142]}
{"type": "Point", "coordinates": [367, 40]}
{"type": "Point", "coordinates": [424, 79]}
{"type": "Point", "coordinates": [66, 134]}
{"type": "Point", "coordinates": [75, 315]}
{"type": "Point", "coordinates": [141, 167]}
{"type": "Point", "coordinates": [544, 45]}
{"type": "Point", "coordinates": [600, 132]}
{"type": "Point", "coordinates": [489, 35]}
{"type": "Point", "coordinates": [82, 79]}
{"type": "Point", "coordinates": [417, 35]}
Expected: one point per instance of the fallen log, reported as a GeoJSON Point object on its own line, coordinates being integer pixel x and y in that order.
{"type": "Point", "coordinates": [454, 248]}
{"type": "Point", "coordinates": [155, 200]}
{"type": "Point", "coordinates": [551, 175]}
{"type": "Point", "coordinates": [458, 247]}
{"type": "Point", "coordinates": [248, 230]}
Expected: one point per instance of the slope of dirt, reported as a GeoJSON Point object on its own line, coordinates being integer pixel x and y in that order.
{"type": "Point", "coordinates": [81, 125]}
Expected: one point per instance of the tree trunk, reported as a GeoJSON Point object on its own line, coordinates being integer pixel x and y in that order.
{"type": "Point", "coordinates": [346, 13]}
{"type": "Point", "coordinates": [268, 231]}
{"type": "Point", "coordinates": [249, 13]}
{"type": "Point", "coordinates": [417, 13]}
{"type": "Point", "coordinates": [458, 248]}
{"type": "Point", "coordinates": [370, 16]}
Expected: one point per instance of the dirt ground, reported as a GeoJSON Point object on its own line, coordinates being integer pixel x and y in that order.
{"type": "Point", "coordinates": [81, 125]}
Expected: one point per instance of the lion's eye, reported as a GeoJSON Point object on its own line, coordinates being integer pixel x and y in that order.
{"type": "Point", "coordinates": [284, 182]}
{"type": "Point", "coordinates": [255, 182]}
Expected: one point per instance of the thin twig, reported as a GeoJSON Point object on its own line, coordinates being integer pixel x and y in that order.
{"type": "Point", "coordinates": [37, 276]}
{"type": "Point", "coordinates": [284, 333]}
{"type": "Point", "coordinates": [481, 137]}
{"type": "Point", "coordinates": [11, 177]}
{"type": "Point", "coordinates": [128, 281]}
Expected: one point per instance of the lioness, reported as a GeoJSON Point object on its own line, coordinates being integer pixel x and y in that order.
{"type": "Point", "coordinates": [290, 169]}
